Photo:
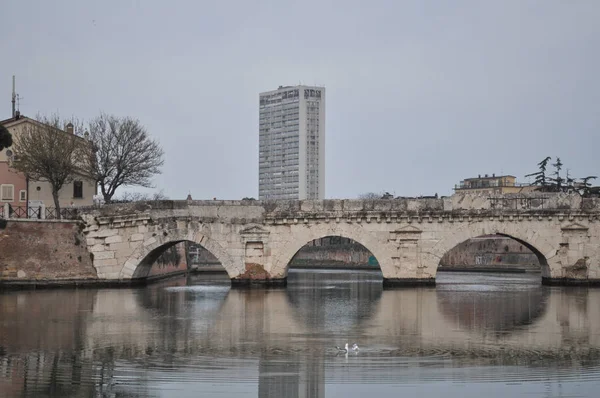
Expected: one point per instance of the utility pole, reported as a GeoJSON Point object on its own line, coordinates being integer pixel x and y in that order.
{"type": "Point", "coordinates": [14, 99]}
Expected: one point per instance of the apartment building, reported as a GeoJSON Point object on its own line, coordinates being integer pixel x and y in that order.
{"type": "Point", "coordinates": [292, 143]}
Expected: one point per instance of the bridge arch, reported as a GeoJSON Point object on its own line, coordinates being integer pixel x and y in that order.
{"type": "Point", "coordinates": [140, 262]}
{"type": "Point", "coordinates": [540, 245]}
{"type": "Point", "coordinates": [381, 251]}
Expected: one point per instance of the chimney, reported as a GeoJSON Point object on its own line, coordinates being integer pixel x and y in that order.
{"type": "Point", "coordinates": [70, 128]}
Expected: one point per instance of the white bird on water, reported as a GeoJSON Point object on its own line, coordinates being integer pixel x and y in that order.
{"type": "Point", "coordinates": [345, 349]}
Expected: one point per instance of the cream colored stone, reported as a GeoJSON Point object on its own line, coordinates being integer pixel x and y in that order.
{"type": "Point", "coordinates": [112, 275]}
{"type": "Point", "coordinates": [93, 241]}
{"type": "Point", "coordinates": [130, 266]}
{"type": "Point", "coordinates": [150, 241]}
{"type": "Point", "coordinates": [105, 262]}
{"type": "Point", "coordinates": [120, 247]}
{"type": "Point", "coordinates": [103, 233]}
{"type": "Point", "coordinates": [97, 248]}
{"type": "Point", "coordinates": [113, 239]}
{"type": "Point", "coordinates": [103, 255]}
{"type": "Point", "coordinates": [136, 237]}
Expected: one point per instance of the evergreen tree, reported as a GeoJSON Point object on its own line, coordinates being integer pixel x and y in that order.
{"type": "Point", "coordinates": [5, 138]}
{"type": "Point", "coordinates": [557, 180]}
{"type": "Point", "coordinates": [540, 176]}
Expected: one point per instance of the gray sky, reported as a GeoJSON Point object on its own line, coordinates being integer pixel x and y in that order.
{"type": "Point", "coordinates": [420, 94]}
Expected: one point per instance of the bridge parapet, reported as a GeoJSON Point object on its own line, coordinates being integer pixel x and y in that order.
{"type": "Point", "coordinates": [254, 211]}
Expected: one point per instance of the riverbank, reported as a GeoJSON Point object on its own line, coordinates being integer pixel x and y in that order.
{"type": "Point", "coordinates": [39, 284]}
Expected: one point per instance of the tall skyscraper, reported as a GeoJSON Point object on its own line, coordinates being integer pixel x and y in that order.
{"type": "Point", "coordinates": [292, 143]}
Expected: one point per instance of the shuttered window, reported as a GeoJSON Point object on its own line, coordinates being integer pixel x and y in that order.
{"type": "Point", "coordinates": [77, 189]}
{"type": "Point", "coordinates": [7, 192]}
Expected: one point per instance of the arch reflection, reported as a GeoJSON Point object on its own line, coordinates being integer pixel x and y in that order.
{"type": "Point", "coordinates": [333, 301]}
{"type": "Point", "coordinates": [190, 304]}
{"type": "Point", "coordinates": [504, 304]}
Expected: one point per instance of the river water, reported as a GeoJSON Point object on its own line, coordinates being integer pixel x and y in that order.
{"type": "Point", "coordinates": [501, 335]}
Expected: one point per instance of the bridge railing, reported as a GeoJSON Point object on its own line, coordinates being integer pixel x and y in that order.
{"type": "Point", "coordinates": [519, 203]}
{"type": "Point", "coordinates": [290, 209]}
{"type": "Point", "coordinates": [38, 212]}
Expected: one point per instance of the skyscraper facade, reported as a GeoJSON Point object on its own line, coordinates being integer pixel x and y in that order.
{"type": "Point", "coordinates": [292, 143]}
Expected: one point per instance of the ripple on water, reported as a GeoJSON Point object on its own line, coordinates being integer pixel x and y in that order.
{"type": "Point", "coordinates": [210, 340]}
{"type": "Point", "coordinates": [199, 289]}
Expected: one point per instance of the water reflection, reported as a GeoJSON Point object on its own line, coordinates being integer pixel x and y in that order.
{"type": "Point", "coordinates": [330, 302]}
{"type": "Point", "coordinates": [491, 303]}
{"type": "Point", "coordinates": [195, 335]}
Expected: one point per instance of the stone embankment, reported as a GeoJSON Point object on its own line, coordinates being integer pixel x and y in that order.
{"type": "Point", "coordinates": [44, 252]}
{"type": "Point", "coordinates": [36, 253]}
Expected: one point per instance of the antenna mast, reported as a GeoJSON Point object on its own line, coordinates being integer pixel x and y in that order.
{"type": "Point", "coordinates": [14, 99]}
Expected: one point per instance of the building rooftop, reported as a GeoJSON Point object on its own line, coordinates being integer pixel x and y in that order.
{"type": "Point", "coordinates": [493, 176]}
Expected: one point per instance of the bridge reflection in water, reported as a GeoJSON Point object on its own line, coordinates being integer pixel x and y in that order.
{"type": "Point", "coordinates": [195, 335]}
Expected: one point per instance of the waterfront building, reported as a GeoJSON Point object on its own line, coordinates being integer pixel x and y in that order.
{"type": "Point", "coordinates": [20, 192]}
{"type": "Point", "coordinates": [493, 185]}
{"type": "Point", "coordinates": [292, 143]}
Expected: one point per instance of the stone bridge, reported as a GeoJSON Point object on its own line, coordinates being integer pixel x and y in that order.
{"type": "Point", "coordinates": [255, 240]}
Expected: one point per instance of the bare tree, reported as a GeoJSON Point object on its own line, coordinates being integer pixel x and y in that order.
{"type": "Point", "coordinates": [370, 195]}
{"type": "Point", "coordinates": [123, 154]}
{"type": "Point", "coordinates": [373, 195]}
{"type": "Point", "coordinates": [5, 138]}
{"type": "Point", "coordinates": [45, 151]}
{"type": "Point", "coordinates": [139, 196]}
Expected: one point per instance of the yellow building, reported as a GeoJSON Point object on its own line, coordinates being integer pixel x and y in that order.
{"type": "Point", "coordinates": [492, 185]}
{"type": "Point", "coordinates": [19, 191]}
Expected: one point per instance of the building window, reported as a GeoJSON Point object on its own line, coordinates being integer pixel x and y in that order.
{"type": "Point", "coordinates": [22, 195]}
{"type": "Point", "coordinates": [78, 189]}
{"type": "Point", "coordinates": [7, 192]}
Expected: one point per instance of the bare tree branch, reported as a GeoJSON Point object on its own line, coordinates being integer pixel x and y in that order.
{"type": "Point", "coordinates": [370, 195]}
{"type": "Point", "coordinates": [123, 154]}
{"type": "Point", "coordinates": [139, 196]}
{"type": "Point", "coordinates": [45, 152]}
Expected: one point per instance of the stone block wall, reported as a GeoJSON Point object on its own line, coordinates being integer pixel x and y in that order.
{"type": "Point", "coordinates": [44, 250]}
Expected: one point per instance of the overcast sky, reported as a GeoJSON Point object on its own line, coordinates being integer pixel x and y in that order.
{"type": "Point", "coordinates": [420, 94]}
